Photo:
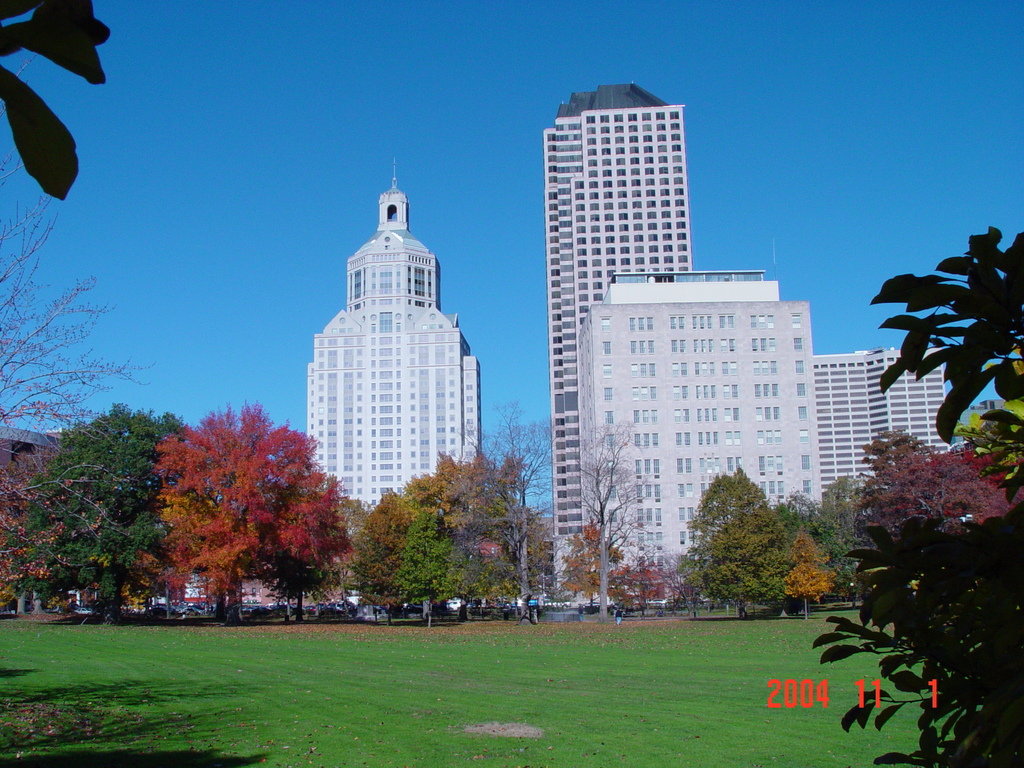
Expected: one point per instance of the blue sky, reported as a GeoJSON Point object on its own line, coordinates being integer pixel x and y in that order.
{"type": "Point", "coordinates": [233, 160]}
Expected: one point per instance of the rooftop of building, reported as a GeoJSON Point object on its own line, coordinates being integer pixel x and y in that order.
{"type": "Point", "coordinates": [27, 436]}
{"type": "Point", "coordinates": [621, 96]}
{"type": "Point", "coordinates": [877, 351]}
{"type": "Point", "coordinates": [691, 287]}
{"type": "Point", "coordinates": [692, 276]}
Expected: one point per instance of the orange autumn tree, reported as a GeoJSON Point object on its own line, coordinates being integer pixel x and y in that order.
{"type": "Point", "coordinates": [582, 562]}
{"type": "Point", "coordinates": [809, 579]}
{"type": "Point", "coordinates": [244, 499]}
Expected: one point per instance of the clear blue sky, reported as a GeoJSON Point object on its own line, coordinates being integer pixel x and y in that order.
{"type": "Point", "coordinates": [233, 160]}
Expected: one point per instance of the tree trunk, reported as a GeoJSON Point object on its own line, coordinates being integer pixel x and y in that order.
{"type": "Point", "coordinates": [425, 611]}
{"type": "Point", "coordinates": [219, 612]}
{"type": "Point", "coordinates": [806, 615]}
{"type": "Point", "coordinates": [523, 564]}
{"type": "Point", "coordinates": [112, 605]}
{"type": "Point", "coordinates": [298, 608]}
{"type": "Point", "coordinates": [464, 611]}
{"type": "Point", "coordinates": [37, 603]}
{"type": "Point", "coordinates": [603, 574]}
{"type": "Point", "coordinates": [233, 614]}
{"type": "Point", "coordinates": [22, 602]}
{"type": "Point", "coordinates": [429, 615]}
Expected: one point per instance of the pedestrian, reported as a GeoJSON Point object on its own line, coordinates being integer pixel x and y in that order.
{"type": "Point", "coordinates": [618, 615]}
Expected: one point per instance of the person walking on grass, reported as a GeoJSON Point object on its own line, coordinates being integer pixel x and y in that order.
{"type": "Point", "coordinates": [618, 615]}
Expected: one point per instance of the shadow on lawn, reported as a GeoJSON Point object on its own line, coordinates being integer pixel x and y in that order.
{"type": "Point", "coordinates": [14, 672]}
{"type": "Point", "coordinates": [126, 758]}
{"type": "Point", "coordinates": [84, 724]}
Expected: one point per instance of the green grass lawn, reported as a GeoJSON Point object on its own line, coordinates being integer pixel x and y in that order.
{"type": "Point", "coordinates": [654, 693]}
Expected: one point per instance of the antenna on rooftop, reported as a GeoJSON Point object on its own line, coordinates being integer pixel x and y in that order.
{"type": "Point", "coordinates": [775, 263]}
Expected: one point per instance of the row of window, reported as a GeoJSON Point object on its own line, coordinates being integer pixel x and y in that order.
{"type": "Point", "coordinates": [684, 346]}
{"type": "Point", "coordinates": [729, 437]}
{"type": "Point", "coordinates": [705, 322]}
{"type": "Point", "coordinates": [699, 391]}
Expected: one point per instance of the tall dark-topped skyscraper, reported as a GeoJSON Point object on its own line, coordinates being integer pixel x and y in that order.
{"type": "Point", "coordinates": [616, 201]}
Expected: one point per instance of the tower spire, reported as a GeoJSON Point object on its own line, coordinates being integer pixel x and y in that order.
{"type": "Point", "coordinates": [394, 173]}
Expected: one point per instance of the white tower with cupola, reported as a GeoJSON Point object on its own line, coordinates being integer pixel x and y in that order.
{"type": "Point", "coordinates": [392, 384]}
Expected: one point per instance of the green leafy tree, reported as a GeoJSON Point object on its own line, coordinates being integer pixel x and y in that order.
{"type": "Point", "coordinates": [426, 571]}
{"type": "Point", "coordinates": [740, 549]}
{"type": "Point", "coordinates": [836, 526]}
{"type": "Point", "coordinates": [99, 494]}
{"type": "Point", "coordinates": [945, 606]}
{"type": "Point", "coordinates": [67, 33]}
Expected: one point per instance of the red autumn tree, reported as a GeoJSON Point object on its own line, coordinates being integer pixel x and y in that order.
{"type": "Point", "coordinates": [911, 479]}
{"type": "Point", "coordinates": [244, 499]}
{"type": "Point", "coordinates": [637, 583]}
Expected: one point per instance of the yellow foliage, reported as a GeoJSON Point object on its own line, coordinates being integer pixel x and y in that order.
{"type": "Point", "coordinates": [808, 579]}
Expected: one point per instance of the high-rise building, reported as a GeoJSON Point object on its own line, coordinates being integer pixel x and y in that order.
{"type": "Point", "coordinates": [852, 409]}
{"type": "Point", "coordinates": [710, 372]}
{"type": "Point", "coordinates": [392, 384]}
{"type": "Point", "coordinates": [616, 203]}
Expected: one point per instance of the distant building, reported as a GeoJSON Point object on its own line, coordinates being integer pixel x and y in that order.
{"type": "Point", "coordinates": [711, 372]}
{"type": "Point", "coordinates": [616, 201]}
{"type": "Point", "coordinates": [17, 444]}
{"type": "Point", "coordinates": [392, 384]}
{"type": "Point", "coordinates": [852, 410]}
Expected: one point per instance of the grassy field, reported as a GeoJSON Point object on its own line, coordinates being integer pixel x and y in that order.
{"type": "Point", "coordinates": [654, 693]}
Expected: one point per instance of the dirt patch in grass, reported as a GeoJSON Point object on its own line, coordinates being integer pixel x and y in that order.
{"type": "Point", "coordinates": [512, 730]}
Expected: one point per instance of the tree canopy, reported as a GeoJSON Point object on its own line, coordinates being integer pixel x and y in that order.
{"type": "Point", "coordinates": [97, 504]}
{"type": "Point", "coordinates": [908, 478]}
{"type": "Point", "coordinates": [425, 574]}
{"type": "Point", "coordinates": [740, 549]}
{"type": "Point", "coordinates": [809, 579]}
{"type": "Point", "coordinates": [945, 605]}
{"type": "Point", "coordinates": [378, 549]}
{"type": "Point", "coordinates": [241, 497]}
{"type": "Point", "coordinates": [67, 33]}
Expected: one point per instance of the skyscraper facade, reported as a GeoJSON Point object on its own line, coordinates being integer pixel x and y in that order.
{"type": "Point", "coordinates": [852, 409]}
{"type": "Point", "coordinates": [616, 202]}
{"type": "Point", "coordinates": [392, 384]}
{"type": "Point", "coordinates": [708, 372]}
